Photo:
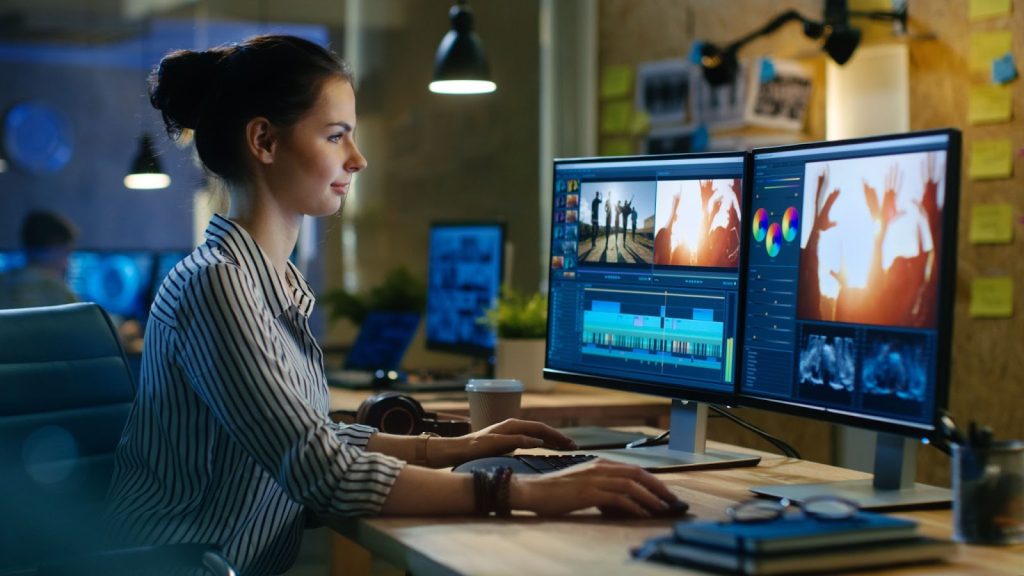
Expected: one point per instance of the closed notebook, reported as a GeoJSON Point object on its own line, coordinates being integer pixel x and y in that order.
{"type": "Point", "coordinates": [819, 560]}
{"type": "Point", "coordinates": [794, 532]}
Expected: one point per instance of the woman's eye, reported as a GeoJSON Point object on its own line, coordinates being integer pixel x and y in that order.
{"type": "Point", "coordinates": [335, 138]}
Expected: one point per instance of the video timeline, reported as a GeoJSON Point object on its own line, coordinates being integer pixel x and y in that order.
{"type": "Point", "coordinates": [673, 334]}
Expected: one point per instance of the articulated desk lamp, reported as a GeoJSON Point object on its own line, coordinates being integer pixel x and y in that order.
{"type": "Point", "coordinates": [840, 38]}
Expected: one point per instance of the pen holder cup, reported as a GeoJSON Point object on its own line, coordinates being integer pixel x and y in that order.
{"type": "Point", "coordinates": [988, 493]}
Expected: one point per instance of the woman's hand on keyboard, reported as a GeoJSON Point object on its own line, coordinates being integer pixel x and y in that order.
{"type": "Point", "coordinates": [610, 486]}
{"type": "Point", "coordinates": [495, 440]}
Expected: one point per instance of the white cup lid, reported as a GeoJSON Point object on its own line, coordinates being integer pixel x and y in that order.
{"type": "Point", "coordinates": [494, 385]}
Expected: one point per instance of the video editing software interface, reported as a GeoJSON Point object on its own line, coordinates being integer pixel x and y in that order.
{"type": "Point", "coordinates": [645, 270]}
{"type": "Point", "coordinates": [842, 298]}
{"type": "Point", "coordinates": [464, 273]}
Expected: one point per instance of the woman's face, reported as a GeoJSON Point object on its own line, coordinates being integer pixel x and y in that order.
{"type": "Point", "coordinates": [317, 158]}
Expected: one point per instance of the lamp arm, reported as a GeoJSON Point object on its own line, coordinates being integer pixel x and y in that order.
{"type": "Point", "coordinates": [768, 28]}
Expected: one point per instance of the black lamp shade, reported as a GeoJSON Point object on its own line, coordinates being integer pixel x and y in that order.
{"type": "Point", "coordinates": [719, 66]}
{"type": "Point", "coordinates": [146, 172]}
{"type": "Point", "coordinates": [841, 43]}
{"type": "Point", "coordinates": [460, 65]}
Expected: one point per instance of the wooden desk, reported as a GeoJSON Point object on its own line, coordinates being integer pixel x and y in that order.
{"type": "Point", "coordinates": [585, 543]}
{"type": "Point", "coordinates": [566, 405]}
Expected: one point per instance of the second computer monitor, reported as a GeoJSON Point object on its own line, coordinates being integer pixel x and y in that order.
{"type": "Point", "coordinates": [849, 297]}
{"type": "Point", "coordinates": [464, 276]}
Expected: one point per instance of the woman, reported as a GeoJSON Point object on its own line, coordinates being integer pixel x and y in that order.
{"type": "Point", "coordinates": [229, 441]}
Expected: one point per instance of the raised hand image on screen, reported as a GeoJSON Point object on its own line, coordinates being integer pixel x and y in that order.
{"type": "Point", "coordinates": [870, 247]}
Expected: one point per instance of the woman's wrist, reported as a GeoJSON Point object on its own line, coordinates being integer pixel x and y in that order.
{"type": "Point", "coordinates": [518, 493]}
{"type": "Point", "coordinates": [445, 452]}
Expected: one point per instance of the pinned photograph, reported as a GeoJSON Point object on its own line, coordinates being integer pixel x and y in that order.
{"type": "Point", "coordinates": [722, 107]}
{"type": "Point", "coordinates": [780, 93]}
{"type": "Point", "coordinates": [664, 90]}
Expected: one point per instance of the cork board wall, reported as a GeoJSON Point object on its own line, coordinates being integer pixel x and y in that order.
{"type": "Point", "coordinates": [988, 353]}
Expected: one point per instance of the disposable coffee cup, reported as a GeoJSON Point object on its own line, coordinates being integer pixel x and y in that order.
{"type": "Point", "coordinates": [491, 401]}
{"type": "Point", "coordinates": [988, 493]}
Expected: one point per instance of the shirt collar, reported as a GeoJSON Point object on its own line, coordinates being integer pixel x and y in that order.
{"type": "Point", "coordinates": [236, 241]}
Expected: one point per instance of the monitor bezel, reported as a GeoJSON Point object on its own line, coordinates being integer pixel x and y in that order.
{"type": "Point", "coordinates": [947, 288]}
{"type": "Point", "coordinates": [640, 387]}
{"type": "Point", "coordinates": [463, 349]}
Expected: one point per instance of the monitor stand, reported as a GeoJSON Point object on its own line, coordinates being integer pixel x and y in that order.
{"type": "Point", "coordinates": [892, 487]}
{"type": "Point", "coordinates": [686, 446]}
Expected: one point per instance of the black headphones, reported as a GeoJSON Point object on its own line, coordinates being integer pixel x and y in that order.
{"type": "Point", "coordinates": [396, 413]}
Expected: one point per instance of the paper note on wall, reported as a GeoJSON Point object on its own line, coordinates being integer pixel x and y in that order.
{"type": "Point", "coordinates": [615, 117]}
{"type": "Point", "coordinates": [617, 147]}
{"type": "Point", "coordinates": [986, 47]}
{"type": "Point", "coordinates": [616, 82]}
{"type": "Point", "coordinates": [992, 297]}
{"type": "Point", "coordinates": [991, 224]}
{"type": "Point", "coordinates": [991, 159]}
{"type": "Point", "coordinates": [989, 103]}
{"type": "Point", "coordinates": [982, 9]}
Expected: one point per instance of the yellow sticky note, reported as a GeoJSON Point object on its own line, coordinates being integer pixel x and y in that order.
{"type": "Point", "coordinates": [982, 9]}
{"type": "Point", "coordinates": [617, 147]}
{"type": "Point", "coordinates": [991, 224]}
{"type": "Point", "coordinates": [990, 103]}
{"type": "Point", "coordinates": [640, 123]}
{"type": "Point", "coordinates": [616, 82]}
{"type": "Point", "coordinates": [991, 159]}
{"type": "Point", "coordinates": [986, 47]}
{"type": "Point", "coordinates": [615, 117]}
{"type": "Point", "coordinates": [992, 297]}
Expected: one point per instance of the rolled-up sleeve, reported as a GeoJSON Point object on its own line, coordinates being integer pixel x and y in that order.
{"type": "Point", "coordinates": [239, 361]}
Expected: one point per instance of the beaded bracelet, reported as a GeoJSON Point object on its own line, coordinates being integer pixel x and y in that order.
{"type": "Point", "coordinates": [491, 491]}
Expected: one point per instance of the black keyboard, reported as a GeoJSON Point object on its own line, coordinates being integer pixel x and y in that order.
{"type": "Point", "coordinates": [526, 464]}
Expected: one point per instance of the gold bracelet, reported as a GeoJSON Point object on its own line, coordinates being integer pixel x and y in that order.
{"type": "Point", "coordinates": [421, 448]}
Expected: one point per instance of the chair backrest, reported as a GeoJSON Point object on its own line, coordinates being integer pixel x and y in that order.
{"type": "Point", "coordinates": [65, 393]}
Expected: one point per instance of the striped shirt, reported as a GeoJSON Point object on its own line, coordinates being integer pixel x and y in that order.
{"type": "Point", "coordinates": [228, 441]}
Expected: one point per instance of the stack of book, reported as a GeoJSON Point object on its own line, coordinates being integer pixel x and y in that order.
{"type": "Point", "coordinates": [797, 543]}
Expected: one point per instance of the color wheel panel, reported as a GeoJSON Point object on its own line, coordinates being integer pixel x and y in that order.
{"type": "Point", "coordinates": [790, 224]}
{"type": "Point", "coordinates": [760, 224]}
{"type": "Point", "coordinates": [773, 241]}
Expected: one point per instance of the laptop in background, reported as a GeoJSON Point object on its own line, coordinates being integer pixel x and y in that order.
{"type": "Point", "coordinates": [382, 341]}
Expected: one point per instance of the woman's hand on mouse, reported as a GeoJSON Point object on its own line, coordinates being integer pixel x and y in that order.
{"type": "Point", "coordinates": [610, 486]}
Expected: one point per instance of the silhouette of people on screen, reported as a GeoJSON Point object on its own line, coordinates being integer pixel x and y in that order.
{"type": "Point", "coordinates": [594, 216]}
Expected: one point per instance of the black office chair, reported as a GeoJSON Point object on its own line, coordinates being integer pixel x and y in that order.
{"type": "Point", "coordinates": [65, 393]}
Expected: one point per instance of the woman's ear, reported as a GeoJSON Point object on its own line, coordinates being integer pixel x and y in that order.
{"type": "Point", "coordinates": [261, 140]}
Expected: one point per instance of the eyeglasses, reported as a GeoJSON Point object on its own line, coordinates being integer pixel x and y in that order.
{"type": "Point", "coordinates": [818, 507]}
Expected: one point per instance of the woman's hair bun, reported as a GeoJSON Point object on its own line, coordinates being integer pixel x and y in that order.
{"type": "Point", "coordinates": [179, 86]}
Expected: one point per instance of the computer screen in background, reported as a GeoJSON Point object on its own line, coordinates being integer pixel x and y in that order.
{"type": "Point", "coordinates": [644, 287]}
{"type": "Point", "coordinates": [849, 298]}
{"type": "Point", "coordinates": [11, 259]}
{"type": "Point", "coordinates": [166, 260]}
{"type": "Point", "coordinates": [464, 276]}
{"type": "Point", "coordinates": [118, 281]}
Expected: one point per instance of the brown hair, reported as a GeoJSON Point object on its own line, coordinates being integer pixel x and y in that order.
{"type": "Point", "coordinates": [216, 92]}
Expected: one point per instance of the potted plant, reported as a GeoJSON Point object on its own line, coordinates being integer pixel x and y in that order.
{"type": "Point", "coordinates": [521, 323]}
{"type": "Point", "coordinates": [399, 291]}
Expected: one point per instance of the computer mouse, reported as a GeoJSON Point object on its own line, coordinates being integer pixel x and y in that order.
{"type": "Point", "coordinates": [677, 509]}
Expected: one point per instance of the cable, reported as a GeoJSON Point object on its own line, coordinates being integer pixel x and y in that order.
{"type": "Point", "coordinates": [786, 449]}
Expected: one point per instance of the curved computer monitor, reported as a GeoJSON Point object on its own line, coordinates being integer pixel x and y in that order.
{"type": "Point", "coordinates": [465, 268]}
{"type": "Point", "coordinates": [644, 285]}
{"type": "Point", "coordinates": [851, 257]}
